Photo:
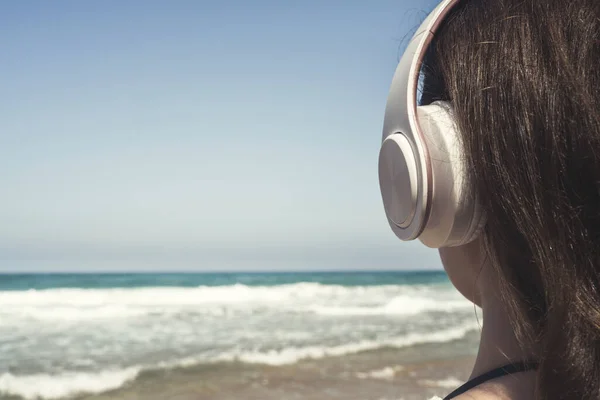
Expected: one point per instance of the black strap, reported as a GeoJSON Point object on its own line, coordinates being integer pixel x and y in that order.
{"type": "Point", "coordinates": [508, 369]}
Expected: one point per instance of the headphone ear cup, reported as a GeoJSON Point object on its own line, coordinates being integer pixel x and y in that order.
{"type": "Point", "coordinates": [455, 216]}
{"type": "Point", "coordinates": [399, 183]}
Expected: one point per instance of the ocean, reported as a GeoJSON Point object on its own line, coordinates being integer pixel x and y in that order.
{"type": "Point", "coordinates": [118, 336]}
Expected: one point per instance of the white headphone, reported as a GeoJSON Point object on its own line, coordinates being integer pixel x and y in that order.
{"type": "Point", "coordinates": [422, 173]}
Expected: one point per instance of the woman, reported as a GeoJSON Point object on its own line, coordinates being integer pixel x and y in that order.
{"type": "Point", "coordinates": [523, 81]}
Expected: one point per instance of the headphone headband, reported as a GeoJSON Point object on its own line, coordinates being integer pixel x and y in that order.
{"type": "Point", "coordinates": [402, 99]}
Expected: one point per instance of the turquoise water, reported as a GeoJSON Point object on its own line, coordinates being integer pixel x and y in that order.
{"type": "Point", "coordinates": [97, 281]}
{"type": "Point", "coordinates": [62, 334]}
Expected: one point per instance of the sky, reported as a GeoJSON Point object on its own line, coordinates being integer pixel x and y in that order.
{"type": "Point", "coordinates": [198, 135]}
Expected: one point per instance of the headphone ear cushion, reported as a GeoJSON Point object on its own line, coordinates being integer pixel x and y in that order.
{"type": "Point", "coordinates": [455, 216]}
{"type": "Point", "coordinates": [477, 224]}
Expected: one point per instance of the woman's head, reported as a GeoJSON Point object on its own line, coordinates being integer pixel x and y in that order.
{"type": "Point", "coordinates": [523, 78]}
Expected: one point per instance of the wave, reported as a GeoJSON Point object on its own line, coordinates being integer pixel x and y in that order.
{"type": "Point", "coordinates": [67, 384]}
{"type": "Point", "coordinates": [102, 304]}
{"type": "Point", "coordinates": [45, 386]}
{"type": "Point", "coordinates": [399, 305]}
{"type": "Point", "coordinates": [231, 294]}
{"type": "Point", "coordinates": [292, 355]}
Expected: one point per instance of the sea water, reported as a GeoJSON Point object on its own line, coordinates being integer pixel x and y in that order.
{"type": "Point", "coordinates": [68, 334]}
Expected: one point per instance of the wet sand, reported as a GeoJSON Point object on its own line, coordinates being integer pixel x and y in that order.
{"type": "Point", "coordinates": [417, 373]}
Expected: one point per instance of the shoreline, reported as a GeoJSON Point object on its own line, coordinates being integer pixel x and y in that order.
{"type": "Point", "coordinates": [416, 373]}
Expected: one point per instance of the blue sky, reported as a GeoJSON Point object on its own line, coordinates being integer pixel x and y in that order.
{"type": "Point", "coordinates": [198, 134]}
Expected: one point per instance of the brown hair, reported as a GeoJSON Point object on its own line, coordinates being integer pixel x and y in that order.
{"type": "Point", "coordinates": [524, 80]}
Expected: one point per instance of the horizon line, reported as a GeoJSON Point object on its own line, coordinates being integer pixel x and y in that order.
{"type": "Point", "coordinates": [232, 271]}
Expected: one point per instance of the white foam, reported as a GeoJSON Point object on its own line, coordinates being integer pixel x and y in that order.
{"type": "Point", "coordinates": [43, 386]}
{"type": "Point", "coordinates": [47, 386]}
{"type": "Point", "coordinates": [399, 305]}
{"type": "Point", "coordinates": [78, 313]}
{"type": "Point", "coordinates": [386, 373]}
{"type": "Point", "coordinates": [292, 355]}
{"type": "Point", "coordinates": [448, 383]}
{"type": "Point", "coordinates": [105, 304]}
